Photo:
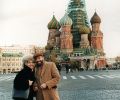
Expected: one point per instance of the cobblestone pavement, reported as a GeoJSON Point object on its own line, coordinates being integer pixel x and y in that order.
{"type": "Point", "coordinates": [90, 95]}
{"type": "Point", "coordinates": [101, 85]}
{"type": "Point", "coordinates": [80, 95]}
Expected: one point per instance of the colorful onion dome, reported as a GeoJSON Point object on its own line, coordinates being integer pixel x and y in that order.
{"type": "Point", "coordinates": [84, 29]}
{"type": "Point", "coordinates": [53, 24]}
{"type": "Point", "coordinates": [95, 19]}
{"type": "Point", "coordinates": [65, 20]}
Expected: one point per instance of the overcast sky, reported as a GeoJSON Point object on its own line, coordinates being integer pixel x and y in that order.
{"type": "Point", "coordinates": [25, 21]}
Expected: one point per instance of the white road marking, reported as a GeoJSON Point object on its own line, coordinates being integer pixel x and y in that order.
{"type": "Point", "coordinates": [116, 76]}
{"type": "Point", "coordinates": [73, 77]}
{"type": "Point", "coordinates": [64, 77]}
{"type": "Point", "coordinates": [7, 78]}
{"type": "Point", "coordinates": [98, 76]}
{"type": "Point", "coordinates": [90, 76]}
{"type": "Point", "coordinates": [11, 78]}
{"type": "Point", "coordinates": [108, 76]}
{"type": "Point", "coordinates": [82, 77]}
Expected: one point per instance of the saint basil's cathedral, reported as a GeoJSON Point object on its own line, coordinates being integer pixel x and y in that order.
{"type": "Point", "coordinates": [74, 36]}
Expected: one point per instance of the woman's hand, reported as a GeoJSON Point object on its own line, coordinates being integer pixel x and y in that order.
{"type": "Point", "coordinates": [30, 83]}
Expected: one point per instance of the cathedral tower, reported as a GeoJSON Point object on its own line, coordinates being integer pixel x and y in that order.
{"type": "Point", "coordinates": [53, 27]}
{"type": "Point", "coordinates": [78, 14]}
{"type": "Point", "coordinates": [96, 34]}
{"type": "Point", "coordinates": [66, 36]}
{"type": "Point", "coordinates": [97, 40]}
{"type": "Point", "coordinates": [84, 30]}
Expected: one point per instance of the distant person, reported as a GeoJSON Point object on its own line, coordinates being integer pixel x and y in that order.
{"type": "Point", "coordinates": [95, 65]}
{"type": "Point", "coordinates": [107, 66]}
{"type": "Point", "coordinates": [67, 68]}
{"type": "Point", "coordinates": [47, 78]}
{"type": "Point", "coordinates": [24, 79]}
{"type": "Point", "coordinates": [70, 67]}
{"type": "Point", "coordinates": [59, 67]}
{"type": "Point", "coordinates": [96, 69]}
{"type": "Point", "coordinates": [87, 64]}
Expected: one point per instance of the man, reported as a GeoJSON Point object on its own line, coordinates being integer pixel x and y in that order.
{"type": "Point", "coordinates": [59, 67]}
{"type": "Point", "coordinates": [47, 78]}
{"type": "Point", "coordinates": [95, 65]}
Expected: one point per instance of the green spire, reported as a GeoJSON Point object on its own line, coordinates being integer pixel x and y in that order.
{"type": "Point", "coordinates": [78, 14]}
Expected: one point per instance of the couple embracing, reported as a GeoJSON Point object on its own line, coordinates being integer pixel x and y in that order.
{"type": "Point", "coordinates": [38, 79]}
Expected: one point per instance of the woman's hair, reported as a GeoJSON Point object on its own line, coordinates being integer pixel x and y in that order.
{"type": "Point", "coordinates": [26, 59]}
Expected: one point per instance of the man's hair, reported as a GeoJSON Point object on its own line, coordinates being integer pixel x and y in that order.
{"type": "Point", "coordinates": [37, 55]}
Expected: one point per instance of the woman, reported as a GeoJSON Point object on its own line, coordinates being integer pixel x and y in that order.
{"type": "Point", "coordinates": [25, 78]}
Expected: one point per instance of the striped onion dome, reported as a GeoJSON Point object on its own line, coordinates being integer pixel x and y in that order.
{"type": "Point", "coordinates": [95, 19]}
{"type": "Point", "coordinates": [65, 20]}
{"type": "Point", "coordinates": [84, 29]}
{"type": "Point", "coordinates": [53, 24]}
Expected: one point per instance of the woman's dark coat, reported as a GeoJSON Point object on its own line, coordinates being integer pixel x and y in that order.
{"type": "Point", "coordinates": [21, 81]}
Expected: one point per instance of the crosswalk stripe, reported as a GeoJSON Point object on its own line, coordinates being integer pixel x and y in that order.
{"type": "Point", "coordinates": [73, 77]}
{"type": "Point", "coordinates": [108, 76]}
{"type": "Point", "coordinates": [6, 78]}
{"type": "Point", "coordinates": [64, 77]}
{"type": "Point", "coordinates": [116, 76]}
{"type": "Point", "coordinates": [82, 77]}
{"type": "Point", "coordinates": [98, 76]}
{"type": "Point", "coordinates": [90, 76]}
{"type": "Point", "coordinates": [11, 78]}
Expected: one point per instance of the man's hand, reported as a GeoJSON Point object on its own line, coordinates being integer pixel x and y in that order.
{"type": "Point", "coordinates": [43, 86]}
